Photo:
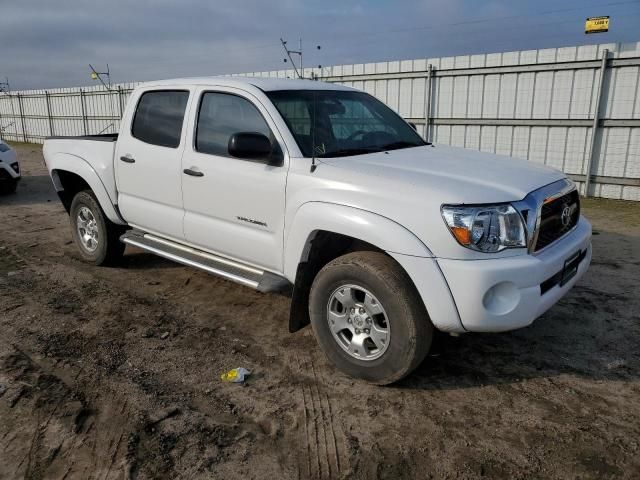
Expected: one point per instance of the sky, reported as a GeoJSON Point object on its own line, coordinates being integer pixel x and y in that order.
{"type": "Point", "coordinates": [49, 43]}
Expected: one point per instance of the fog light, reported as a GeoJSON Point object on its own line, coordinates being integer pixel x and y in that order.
{"type": "Point", "coordinates": [16, 167]}
{"type": "Point", "coordinates": [502, 298]}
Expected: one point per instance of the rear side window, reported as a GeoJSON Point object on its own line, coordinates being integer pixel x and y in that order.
{"type": "Point", "coordinates": [159, 116]}
{"type": "Point", "coordinates": [223, 114]}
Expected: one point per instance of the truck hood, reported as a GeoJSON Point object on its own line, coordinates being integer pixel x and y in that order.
{"type": "Point", "coordinates": [453, 175]}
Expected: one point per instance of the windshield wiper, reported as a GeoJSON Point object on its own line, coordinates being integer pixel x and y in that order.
{"type": "Point", "coordinates": [397, 145]}
{"type": "Point", "coordinates": [346, 152]}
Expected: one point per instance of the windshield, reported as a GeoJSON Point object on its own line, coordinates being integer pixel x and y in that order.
{"type": "Point", "coordinates": [339, 123]}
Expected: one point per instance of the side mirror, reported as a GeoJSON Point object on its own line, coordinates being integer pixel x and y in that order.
{"type": "Point", "coordinates": [414, 126]}
{"type": "Point", "coordinates": [252, 146]}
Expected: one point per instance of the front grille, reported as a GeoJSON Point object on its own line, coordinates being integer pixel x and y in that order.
{"type": "Point", "coordinates": [557, 218]}
{"type": "Point", "coordinates": [4, 175]}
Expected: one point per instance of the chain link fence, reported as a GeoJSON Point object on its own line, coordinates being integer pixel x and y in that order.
{"type": "Point", "coordinates": [576, 109]}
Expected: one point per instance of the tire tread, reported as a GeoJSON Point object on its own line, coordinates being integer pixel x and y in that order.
{"type": "Point", "coordinates": [112, 252]}
{"type": "Point", "coordinates": [391, 273]}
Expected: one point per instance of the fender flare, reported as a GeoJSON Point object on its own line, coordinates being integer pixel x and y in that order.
{"type": "Point", "coordinates": [364, 225]}
{"type": "Point", "coordinates": [401, 244]}
{"type": "Point", "coordinates": [79, 166]}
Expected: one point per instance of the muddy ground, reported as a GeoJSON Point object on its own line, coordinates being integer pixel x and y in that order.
{"type": "Point", "coordinates": [113, 373]}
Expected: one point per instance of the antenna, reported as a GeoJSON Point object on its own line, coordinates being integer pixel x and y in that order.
{"type": "Point", "coordinates": [5, 87]}
{"type": "Point", "coordinates": [289, 52]}
{"type": "Point", "coordinates": [95, 75]}
{"type": "Point", "coordinates": [315, 76]}
{"type": "Point", "coordinates": [299, 72]}
{"type": "Point", "coordinates": [313, 135]}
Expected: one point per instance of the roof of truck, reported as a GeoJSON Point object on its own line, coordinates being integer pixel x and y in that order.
{"type": "Point", "coordinates": [263, 83]}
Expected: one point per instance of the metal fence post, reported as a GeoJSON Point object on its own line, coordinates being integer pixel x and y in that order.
{"type": "Point", "coordinates": [596, 122]}
{"type": "Point", "coordinates": [427, 103]}
{"type": "Point", "coordinates": [46, 94]}
{"type": "Point", "coordinates": [13, 116]}
{"type": "Point", "coordinates": [121, 110]}
{"type": "Point", "coordinates": [24, 130]}
{"type": "Point", "coordinates": [84, 113]}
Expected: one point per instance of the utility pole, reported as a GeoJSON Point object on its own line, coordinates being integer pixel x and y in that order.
{"type": "Point", "coordinates": [95, 75]}
{"type": "Point", "coordinates": [6, 89]}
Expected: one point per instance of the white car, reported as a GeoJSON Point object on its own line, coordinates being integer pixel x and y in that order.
{"type": "Point", "coordinates": [278, 183]}
{"type": "Point", "coordinates": [9, 169]}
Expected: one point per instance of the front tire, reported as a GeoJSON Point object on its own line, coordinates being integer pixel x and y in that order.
{"type": "Point", "coordinates": [97, 237]}
{"type": "Point", "coordinates": [368, 317]}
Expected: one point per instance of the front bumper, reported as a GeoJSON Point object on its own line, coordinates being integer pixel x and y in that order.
{"type": "Point", "coordinates": [507, 293]}
{"type": "Point", "coordinates": [9, 170]}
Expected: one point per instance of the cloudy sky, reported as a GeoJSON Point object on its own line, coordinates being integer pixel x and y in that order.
{"type": "Point", "coordinates": [48, 43]}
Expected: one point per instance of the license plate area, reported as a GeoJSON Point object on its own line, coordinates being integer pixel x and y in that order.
{"type": "Point", "coordinates": [570, 267]}
{"type": "Point", "coordinates": [569, 270]}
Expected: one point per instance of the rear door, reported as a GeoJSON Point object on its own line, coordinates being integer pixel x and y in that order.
{"type": "Point", "coordinates": [148, 156]}
{"type": "Point", "coordinates": [233, 207]}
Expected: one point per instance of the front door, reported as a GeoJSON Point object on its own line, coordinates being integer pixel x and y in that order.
{"type": "Point", "coordinates": [233, 207]}
{"type": "Point", "coordinates": [147, 160]}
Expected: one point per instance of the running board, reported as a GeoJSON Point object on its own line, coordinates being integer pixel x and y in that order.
{"type": "Point", "coordinates": [223, 267]}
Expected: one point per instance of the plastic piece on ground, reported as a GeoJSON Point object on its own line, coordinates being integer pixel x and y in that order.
{"type": "Point", "coordinates": [237, 375]}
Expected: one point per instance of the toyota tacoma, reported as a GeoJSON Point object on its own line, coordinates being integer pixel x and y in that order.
{"type": "Point", "coordinates": [324, 191]}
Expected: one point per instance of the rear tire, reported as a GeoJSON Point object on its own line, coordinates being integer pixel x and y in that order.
{"type": "Point", "coordinates": [369, 318]}
{"type": "Point", "coordinates": [8, 187]}
{"type": "Point", "coordinates": [97, 237]}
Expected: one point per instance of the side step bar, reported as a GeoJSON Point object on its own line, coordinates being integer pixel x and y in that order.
{"type": "Point", "coordinates": [223, 267]}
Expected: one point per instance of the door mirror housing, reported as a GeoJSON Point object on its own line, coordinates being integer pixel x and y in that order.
{"type": "Point", "coordinates": [251, 146]}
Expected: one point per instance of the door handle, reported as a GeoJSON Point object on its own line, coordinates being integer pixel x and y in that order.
{"type": "Point", "coordinates": [128, 159]}
{"type": "Point", "coordinates": [193, 173]}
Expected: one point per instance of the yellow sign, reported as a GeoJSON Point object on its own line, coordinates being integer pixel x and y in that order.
{"type": "Point", "coordinates": [596, 25]}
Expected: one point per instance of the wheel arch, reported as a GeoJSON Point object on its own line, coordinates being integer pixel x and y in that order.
{"type": "Point", "coordinates": [71, 174]}
{"type": "Point", "coordinates": [321, 232]}
{"type": "Point", "coordinates": [362, 225]}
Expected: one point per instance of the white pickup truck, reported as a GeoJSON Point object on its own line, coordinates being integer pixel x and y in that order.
{"type": "Point", "coordinates": [279, 183]}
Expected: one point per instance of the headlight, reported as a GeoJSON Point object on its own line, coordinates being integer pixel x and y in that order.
{"type": "Point", "coordinates": [4, 147]}
{"type": "Point", "coordinates": [485, 228]}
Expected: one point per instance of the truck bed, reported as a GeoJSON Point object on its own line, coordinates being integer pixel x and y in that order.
{"type": "Point", "coordinates": [75, 154]}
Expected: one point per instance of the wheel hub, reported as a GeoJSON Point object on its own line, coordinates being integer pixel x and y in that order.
{"type": "Point", "coordinates": [358, 322]}
{"type": "Point", "coordinates": [87, 228]}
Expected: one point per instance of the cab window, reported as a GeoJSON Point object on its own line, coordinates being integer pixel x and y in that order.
{"type": "Point", "coordinates": [159, 117]}
{"type": "Point", "coordinates": [220, 116]}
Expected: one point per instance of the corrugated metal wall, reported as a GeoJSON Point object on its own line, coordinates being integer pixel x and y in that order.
{"type": "Point", "coordinates": [536, 104]}
{"type": "Point", "coordinates": [31, 116]}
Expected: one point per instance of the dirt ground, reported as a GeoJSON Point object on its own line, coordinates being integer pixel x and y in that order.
{"type": "Point", "coordinates": [113, 373]}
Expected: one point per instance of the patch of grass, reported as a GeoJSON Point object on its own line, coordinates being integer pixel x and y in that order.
{"type": "Point", "coordinates": [624, 211]}
{"type": "Point", "coordinates": [23, 144]}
